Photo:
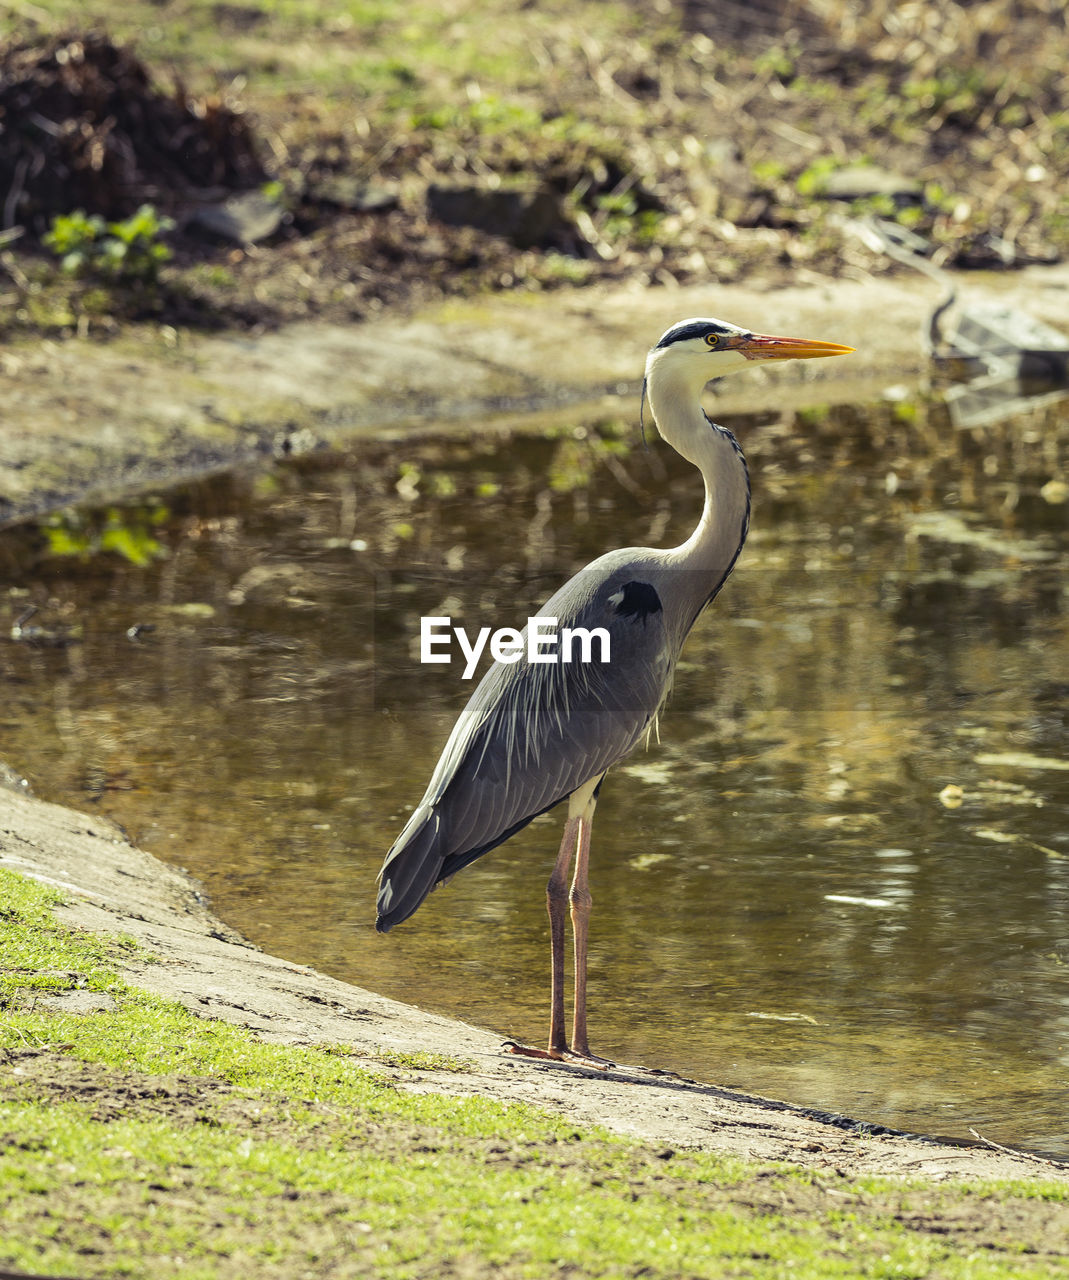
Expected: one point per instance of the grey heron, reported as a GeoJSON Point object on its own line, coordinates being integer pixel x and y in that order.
{"type": "Point", "coordinates": [536, 733]}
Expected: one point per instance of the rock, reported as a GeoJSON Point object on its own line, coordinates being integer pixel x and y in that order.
{"type": "Point", "coordinates": [529, 218]}
{"type": "Point", "coordinates": [245, 218]}
{"type": "Point", "coordinates": [346, 192]}
{"type": "Point", "coordinates": [859, 181]}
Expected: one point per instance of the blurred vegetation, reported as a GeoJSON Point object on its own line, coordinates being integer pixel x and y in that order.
{"type": "Point", "coordinates": [128, 251]}
{"type": "Point", "coordinates": [584, 142]}
{"type": "Point", "coordinates": [128, 532]}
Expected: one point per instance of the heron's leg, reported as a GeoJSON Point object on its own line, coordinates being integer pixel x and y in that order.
{"type": "Point", "coordinates": [576, 836]}
{"type": "Point", "coordinates": [580, 899]}
{"type": "Point", "coordinates": [557, 905]}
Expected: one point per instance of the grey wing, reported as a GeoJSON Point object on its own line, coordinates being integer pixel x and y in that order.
{"type": "Point", "coordinates": [531, 735]}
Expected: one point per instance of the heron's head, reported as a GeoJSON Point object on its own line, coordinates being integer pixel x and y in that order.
{"type": "Point", "coordinates": [697, 351]}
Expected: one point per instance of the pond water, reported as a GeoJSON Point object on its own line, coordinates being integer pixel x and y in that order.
{"type": "Point", "coordinates": [842, 876]}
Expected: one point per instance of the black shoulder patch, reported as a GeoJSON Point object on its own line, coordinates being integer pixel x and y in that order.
{"type": "Point", "coordinates": [636, 600]}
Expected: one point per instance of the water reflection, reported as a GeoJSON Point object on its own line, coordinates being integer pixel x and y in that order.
{"type": "Point", "coordinates": [843, 875]}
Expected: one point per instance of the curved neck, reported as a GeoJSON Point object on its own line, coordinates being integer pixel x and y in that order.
{"type": "Point", "coordinates": [714, 545]}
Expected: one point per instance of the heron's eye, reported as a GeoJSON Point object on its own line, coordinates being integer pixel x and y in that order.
{"type": "Point", "coordinates": [712, 339]}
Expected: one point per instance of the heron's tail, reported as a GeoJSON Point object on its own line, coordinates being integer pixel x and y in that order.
{"type": "Point", "coordinates": [411, 870]}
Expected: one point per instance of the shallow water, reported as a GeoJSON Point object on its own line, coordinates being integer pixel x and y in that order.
{"type": "Point", "coordinates": [787, 898]}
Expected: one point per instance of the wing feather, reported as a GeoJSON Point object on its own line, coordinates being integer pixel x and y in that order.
{"type": "Point", "coordinates": [531, 734]}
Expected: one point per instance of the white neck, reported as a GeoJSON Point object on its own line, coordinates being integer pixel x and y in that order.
{"type": "Point", "coordinates": [676, 405]}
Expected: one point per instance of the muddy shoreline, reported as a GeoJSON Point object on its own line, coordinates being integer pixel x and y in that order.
{"type": "Point", "coordinates": [93, 421]}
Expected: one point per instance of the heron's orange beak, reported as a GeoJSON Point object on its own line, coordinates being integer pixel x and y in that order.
{"type": "Point", "coordinates": [759, 346]}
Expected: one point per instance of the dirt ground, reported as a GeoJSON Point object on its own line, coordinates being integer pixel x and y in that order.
{"type": "Point", "coordinates": [201, 962]}
{"type": "Point", "coordinates": [721, 143]}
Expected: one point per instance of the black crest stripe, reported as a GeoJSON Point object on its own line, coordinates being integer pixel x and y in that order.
{"type": "Point", "coordinates": [693, 329]}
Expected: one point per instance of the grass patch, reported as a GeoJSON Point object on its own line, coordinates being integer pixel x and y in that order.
{"type": "Point", "coordinates": [40, 954]}
{"type": "Point", "coordinates": [144, 1140]}
{"type": "Point", "coordinates": [412, 1061]}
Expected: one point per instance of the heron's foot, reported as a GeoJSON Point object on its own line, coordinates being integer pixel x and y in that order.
{"type": "Point", "coordinates": [588, 1059]}
{"type": "Point", "coordinates": [572, 1056]}
{"type": "Point", "coordinates": [528, 1051]}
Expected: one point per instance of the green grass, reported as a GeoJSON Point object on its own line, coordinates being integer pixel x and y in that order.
{"type": "Point", "coordinates": [397, 55]}
{"type": "Point", "coordinates": [209, 1195]}
{"type": "Point", "coordinates": [37, 953]}
{"type": "Point", "coordinates": [150, 1141]}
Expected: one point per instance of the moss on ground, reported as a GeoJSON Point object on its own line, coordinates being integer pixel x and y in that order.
{"type": "Point", "coordinates": [139, 1139]}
